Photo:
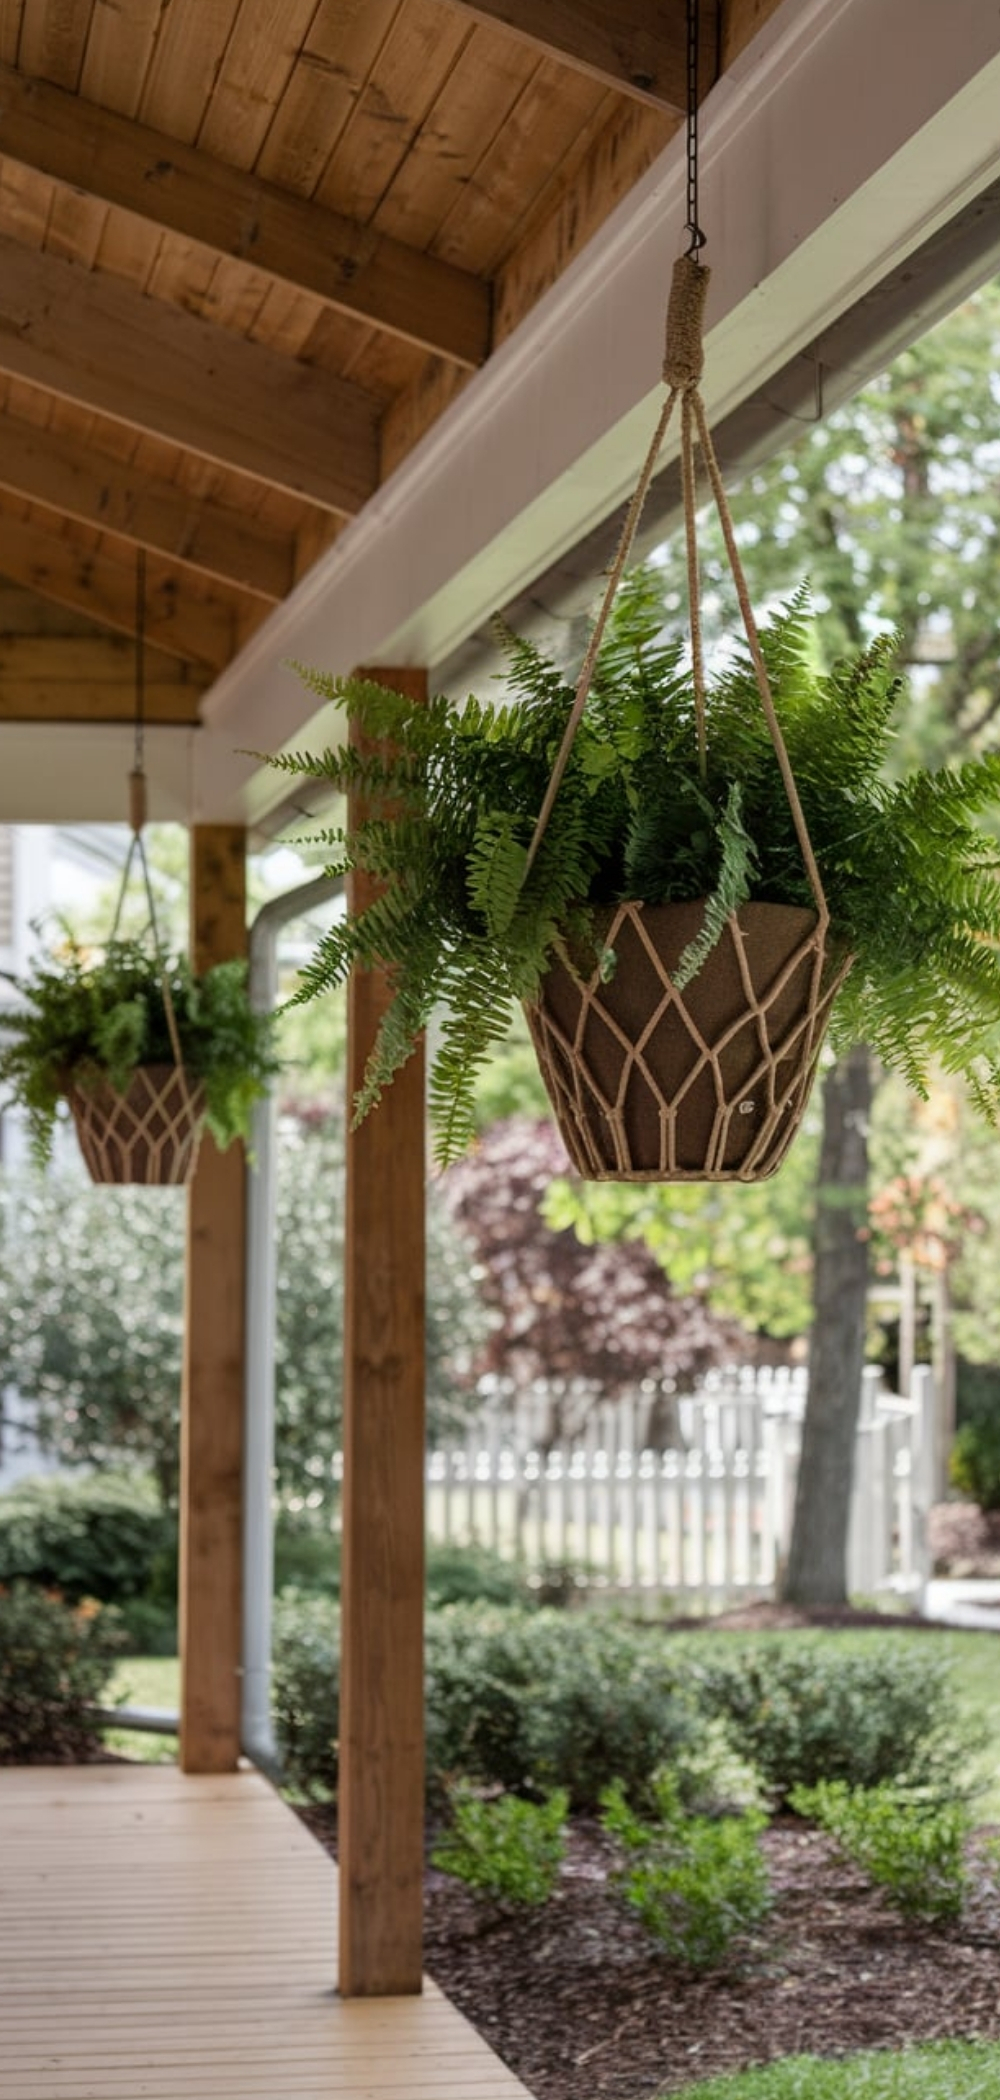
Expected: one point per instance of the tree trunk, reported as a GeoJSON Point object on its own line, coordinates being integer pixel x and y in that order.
{"type": "Point", "coordinates": [817, 1560]}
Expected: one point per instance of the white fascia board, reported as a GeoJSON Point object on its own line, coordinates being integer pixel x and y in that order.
{"type": "Point", "coordinates": [77, 773]}
{"type": "Point", "coordinates": [840, 140]}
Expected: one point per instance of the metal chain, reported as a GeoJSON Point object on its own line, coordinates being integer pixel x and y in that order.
{"type": "Point", "coordinates": [697, 240]}
{"type": "Point", "coordinates": [140, 658]}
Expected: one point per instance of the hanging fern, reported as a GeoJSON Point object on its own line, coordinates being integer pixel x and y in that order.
{"type": "Point", "coordinates": [449, 796]}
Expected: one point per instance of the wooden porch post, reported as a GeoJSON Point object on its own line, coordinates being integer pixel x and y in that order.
{"type": "Point", "coordinates": [212, 1406]}
{"type": "Point", "coordinates": [381, 1815]}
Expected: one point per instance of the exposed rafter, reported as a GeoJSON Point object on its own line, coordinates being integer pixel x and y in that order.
{"type": "Point", "coordinates": [635, 46]}
{"type": "Point", "coordinates": [72, 478]}
{"type": "Point", "coordinates": [102, 344]}
{"type": "Point", "coordinates": [201, 630]}
{"type": "Point", "coordinates": [169, 184]}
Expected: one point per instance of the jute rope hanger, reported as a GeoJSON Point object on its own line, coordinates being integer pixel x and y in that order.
{"type": "Point", "coordinates": [138, 805]}
{"type": "Point", "coordinates": [682, 368]}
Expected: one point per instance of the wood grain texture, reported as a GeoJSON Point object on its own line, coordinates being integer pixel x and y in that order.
{"type": "Point", "coordinates": [199, 630]}
{"type": "Point", "coordinates": [381, 1800]}
{"type": "Point", "coordinates": [214, 1341]}
{"type": "Point", "coordinates": [103, 345]}
{"type": "Point", "coordinates": [79, 678]}
{"type": "Point", "coordinates": [105, 157]}
{"type": "Point", "coordinates": [73, 477]}
{"type": "Point", "coordinates": [635, 46]}
{"type": "Point", "coordinates": [174, 1937]}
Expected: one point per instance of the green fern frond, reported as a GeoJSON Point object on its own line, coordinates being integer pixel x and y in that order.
{"type": "Point", "coordinates": [732, 888]}
{"type": "Point", "coordinates": [445, 799]}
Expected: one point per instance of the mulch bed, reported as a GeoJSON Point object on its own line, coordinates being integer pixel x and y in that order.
{"type": "Point", "coordinates": [581, 2006]}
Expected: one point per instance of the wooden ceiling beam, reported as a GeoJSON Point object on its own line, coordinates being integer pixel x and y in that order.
{"type": "Point", "coordinates": [360, 272]}
{"type": "Point", "coordinates": [79, 482]}
{"type": "Point", "coordinates": [200, 630]}
{"type": "Point", "coordinates": [91, 678]}
{"type": "Point", "coordinates": [98, 342]}
{"type": "Point", "coordinates": [637, 47]}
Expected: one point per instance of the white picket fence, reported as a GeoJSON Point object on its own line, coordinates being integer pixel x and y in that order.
{"type": "Point", "coordinates": [704, 1524]}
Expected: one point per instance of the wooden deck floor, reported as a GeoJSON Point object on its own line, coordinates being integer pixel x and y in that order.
{"type": "Point", "coordinates": [170, 1938]}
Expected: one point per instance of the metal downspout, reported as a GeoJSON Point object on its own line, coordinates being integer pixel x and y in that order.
{"type": "Point", "coordinates": [256, 1727]}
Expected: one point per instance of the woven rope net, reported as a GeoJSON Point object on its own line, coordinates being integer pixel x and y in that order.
{"type": "Point", "coordinates": [149, 1135]}
{"type": "Point", "coordinates": [710, 1084]}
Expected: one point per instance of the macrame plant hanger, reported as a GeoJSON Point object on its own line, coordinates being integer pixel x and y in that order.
{"type": "Point", "coordinates": [150, 1133]}
{"type": "Point", "coordinates": [650, 1083]}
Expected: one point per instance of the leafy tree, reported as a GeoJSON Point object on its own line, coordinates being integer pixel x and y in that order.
{"type": "Point", "coordinates": [575, 1323]}
{"type": "Point", "coordinates": [91, 1322]}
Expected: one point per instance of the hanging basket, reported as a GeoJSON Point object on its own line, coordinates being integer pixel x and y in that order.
{"type": "Point", "coordinates": [649, 1083]}
{"type": "Point", "coordinates": [710, 1084]}
{"type": "Point", "coordinates": [148, 1135]}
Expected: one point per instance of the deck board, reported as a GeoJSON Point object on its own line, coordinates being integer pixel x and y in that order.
{"type": "Point", "coordinates": [166, 1937]}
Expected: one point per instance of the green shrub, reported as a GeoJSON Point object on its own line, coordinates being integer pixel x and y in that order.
{"type": "Point", "coordinates": [523, 1700]}
{"type": "Point", "coordinates": [305, 1689]}
{"type": "Point", "coordinates": [148, 1628]}
{"type": "Point", "coordinates": [474, 1575]}
{"type": "Point", "coordinates": [508, 1849]}
{"type": "Point", "coordinates": [914, 1850]}
{"type": "Point", "coordinates": [813, 1710]}
{"type": "Point", "coordinates": [529, 1701]}
{"type": "Point", "coordinates": [55, 1662]}
{"type": "Point", "coordinates": [103, 1535]}
{"type": "Point", "coordinates": [306, 1553]}
{"type": "Point", "coordinates": [975, 1461]}
{"type": "Point", "coordinates": [697, 1883]}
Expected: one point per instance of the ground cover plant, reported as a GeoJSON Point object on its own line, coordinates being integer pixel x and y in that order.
{"type": "Point", "coordinates": [913, 1849]}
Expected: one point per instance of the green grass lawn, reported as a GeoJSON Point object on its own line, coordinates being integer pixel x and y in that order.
{"type": "Point", "coordinates": [939, 2071]}
{"type": "Point", "coordinates": [144, 1680]}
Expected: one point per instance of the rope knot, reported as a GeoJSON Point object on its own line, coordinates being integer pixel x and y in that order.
{"type": "Point", "coordinates": [684, 355]}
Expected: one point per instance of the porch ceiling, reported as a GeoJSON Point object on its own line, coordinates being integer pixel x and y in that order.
{"type": "Point", "coordinates": [350, 316]}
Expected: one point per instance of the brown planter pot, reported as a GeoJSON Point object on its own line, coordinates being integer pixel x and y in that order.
{"type": "Point", "coordinates": [148, 1135]}
{"type": "Point", "coordinates": [709, 1084]}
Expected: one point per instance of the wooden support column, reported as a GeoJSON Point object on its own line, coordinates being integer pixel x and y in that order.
{"type": "Point", "coordinates": [381, 1815]}
{"type": "Point", "coordinates": [212, 1409]}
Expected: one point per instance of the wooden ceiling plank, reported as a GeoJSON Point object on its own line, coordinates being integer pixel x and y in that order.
{"type": "Point", "coordinates": [626, 146]}
{"type": "Point", "coordinates": [104, 591]}
{"type": "Point", "coordinates": [335, 61]}
{"type": "Point", "coordinates": [542, 134]}
{"type": "Point", "coordinates": [259, 60]}
{"type": "Point", "coordinates": [53, 40]}
{"type": "Point", "coordinates": [418, 55]}
{"type": "Point", "coordinates": [434, 389]}
{"type": "Point", "coordinates": [103, 345]}
{"type": "Point", "coordinates": [76, 224]}
{"type": "Point", "coordinates": [72, 478]}
{"type": "Point", "coordinates": [120, 46]}
{"type": "Point", "coordinates": [11, 16]}
{"type": "Point", "coordinates": [177, 187]}
{"type": "Point", "coordinates": [25, 202]}
{"type": "Point", "coordinates": [190, 48]}
{"type": "Point", "coordinates": [637, 47]}
{"type": "Point", "coordinates": [472, 109]}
